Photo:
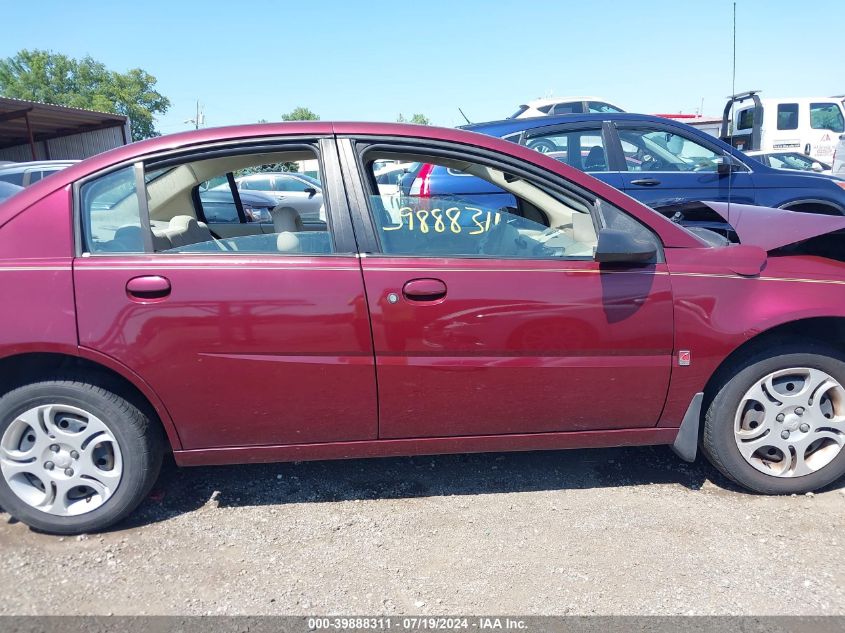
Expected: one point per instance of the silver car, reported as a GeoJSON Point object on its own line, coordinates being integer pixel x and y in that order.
{"type": "Point", "coordinates": [298, 191]}
{"type": "Point", "coordinates": [26, 174]}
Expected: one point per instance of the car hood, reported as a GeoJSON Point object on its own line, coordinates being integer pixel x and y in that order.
{"type": "Point", "coordinates": [771, 229]}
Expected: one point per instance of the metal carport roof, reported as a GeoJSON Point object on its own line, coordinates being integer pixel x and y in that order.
{"type": "Point", "coordinates": [29, 122]}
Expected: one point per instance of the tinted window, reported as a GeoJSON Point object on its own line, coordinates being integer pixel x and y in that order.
{"type": "Point", "coordinates": [745, 119]}
{"type": "Point", "coordinates": [16, 178]}
{"type": "Point", "coordinates": [289, 183]}
{"type": "Point", "coordinates": [572, 107]}
{"type": "Point", "coordinates": [601, 107]}
{"type": "Point", "coordinates": [218, 201]}
{"type": "Point", "coordinates": [583, 149]}
{"type": "Point", "coordinates": [826, 116]}
{"type": "Point", "coordinates": [530, 225]}
{"type": "Point", "coordinates": [110, 214]}
{"type": "Point", "coordinates": [658, 150]}
{"type": "Point", "coordinates": [787, 116]}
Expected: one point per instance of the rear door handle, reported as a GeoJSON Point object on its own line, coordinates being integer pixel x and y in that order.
{"type": "Point", "coordinates": [148, 288]}
{"type": "Point", "coordinates": [424, 290]}
{"type": "Point", "coordinates": [645, 182]}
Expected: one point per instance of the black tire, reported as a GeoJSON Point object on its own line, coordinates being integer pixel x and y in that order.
{"type": "Point", "coordinates": [718, 437]}
{"type": "Point", "coordinates": [139, 438]}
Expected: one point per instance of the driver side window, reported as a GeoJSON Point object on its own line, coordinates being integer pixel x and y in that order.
{"type": "Point", "coordinates": [658, 150]}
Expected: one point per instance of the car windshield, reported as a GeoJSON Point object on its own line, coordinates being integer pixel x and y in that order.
{"type": "Point", "coordinates": [793, 160]}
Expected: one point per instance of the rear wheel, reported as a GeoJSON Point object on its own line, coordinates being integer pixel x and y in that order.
{"type": "Point", "coordinates": [74, 457]}
{"type": "Point", "coordinates": [778, 425]}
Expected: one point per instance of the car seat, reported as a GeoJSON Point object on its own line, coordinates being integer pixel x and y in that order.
{"type": "Point", "coordinates": [595, 160]}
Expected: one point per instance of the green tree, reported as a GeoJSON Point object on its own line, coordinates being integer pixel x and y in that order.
{"type": "Point", "coordinates": [47, 77]}
{"type": "Point", "coordinates": [301, 114]}
{"type": "Point", "coordinates": [419, 119]}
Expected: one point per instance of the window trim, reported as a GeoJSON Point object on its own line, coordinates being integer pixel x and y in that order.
{"type": "Point", "coordinates": [362, 145]}
{"type": "Point", "coordinates": [612, 145]}
{"type": "Point", "coordinates": [324, 147]}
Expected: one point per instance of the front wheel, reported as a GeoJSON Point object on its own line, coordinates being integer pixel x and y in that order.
{"type": "Point", "coordinates": [778, 425]}
{"type": "Point", "coordinates": [74, 457]}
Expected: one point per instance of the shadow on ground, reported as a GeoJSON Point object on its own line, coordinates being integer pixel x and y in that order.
{"type": "Point", "coordinates": [181, 490]}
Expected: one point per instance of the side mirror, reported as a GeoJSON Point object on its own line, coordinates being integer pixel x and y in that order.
{"type": "Point", "coordinates": [817, 167]}
{"type": "Point", "coordinates": [620, 247]}
{"type": "Point", "coordinates": [724, 166]}
{"type": "Point", "coordinates": [310, 191]}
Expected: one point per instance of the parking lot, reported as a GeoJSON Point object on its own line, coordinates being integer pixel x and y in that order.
{"type": "Point", "coordinates": [632, 531]}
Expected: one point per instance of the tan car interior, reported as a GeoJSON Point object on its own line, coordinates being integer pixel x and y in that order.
{"type": "Point", "coordinates": [173, 218]}
{"type": "Point", "coordinates": [571, 231]}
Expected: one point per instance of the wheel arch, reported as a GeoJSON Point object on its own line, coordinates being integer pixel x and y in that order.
{"type": "Point", "coordinates": [826, 330]}
{"type": "Point", "coordinates": [19, 369]}
{"type": "Point", "coordinates": [814, 205]}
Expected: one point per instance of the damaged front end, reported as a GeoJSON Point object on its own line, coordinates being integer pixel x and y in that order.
{"type": "Point", "coordinates": [776, 231]}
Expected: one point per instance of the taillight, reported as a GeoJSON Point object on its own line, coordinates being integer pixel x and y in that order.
{"type": "Point", "coordinates": [421, 186]}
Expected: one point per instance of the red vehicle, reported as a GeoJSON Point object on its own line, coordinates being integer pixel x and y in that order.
{"type": "Point", "coordinates": [576, 317]}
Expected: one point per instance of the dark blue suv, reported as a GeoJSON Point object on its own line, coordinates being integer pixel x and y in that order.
{"type": "Point", "coordinates": [662, 163]}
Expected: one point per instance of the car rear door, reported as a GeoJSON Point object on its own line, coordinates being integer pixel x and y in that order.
{"type": "Point", "coordinates": [588, 146]}
{"type": "Point", "coordinates": [666, 168]}
{"type": "Point", "coordinates": [254, 340]}
{"type": "Point", "coordinates": [474, 335]}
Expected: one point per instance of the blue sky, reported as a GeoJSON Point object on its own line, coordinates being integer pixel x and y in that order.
{"type": "Point", "coordinates": [372, 60]}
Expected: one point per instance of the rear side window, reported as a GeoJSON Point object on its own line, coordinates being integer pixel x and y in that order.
{"type": "Point", "coordinates": [582, 149]}
{"type": "Point", "coordinates": [15, 178]}
{"type": "Point", "coordinates": [257, 184]}
{"type": "Point", "coordinates": [571, 107]}
{"type": "Point", "coordinates": [111, 217]}
{"type": "Point", "coordinates": [745, 119]}
{"type": "Point", "coordinates": [602, 107]}
{"type": "Point", "coordinates": [787, 116]}
{"type": "Point", "coordinates": [288, 183]}
{"type": "Point", "coordinates": [826, 116]}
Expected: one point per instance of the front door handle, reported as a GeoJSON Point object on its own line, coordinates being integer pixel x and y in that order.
{"type": "Point", "coordinates": [148, 288]}
{"type": "Point", "coordinates": [424, 290]}
{"type": "Point", "coordinates": [645, 182]}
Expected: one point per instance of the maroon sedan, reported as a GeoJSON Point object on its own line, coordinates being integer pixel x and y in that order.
{"type": "Point", "coordinates": [573, 316]}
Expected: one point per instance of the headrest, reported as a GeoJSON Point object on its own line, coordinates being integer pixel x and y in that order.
{"type": "Point", "coordinates": [286, 219]}
{"type": "Point", "coordinates": [287, 243]}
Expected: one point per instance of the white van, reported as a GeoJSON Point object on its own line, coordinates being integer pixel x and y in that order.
{"type": "Point", "coordinates": [810, 125]}
{"type": "Point", "coordinates": [838, 167]}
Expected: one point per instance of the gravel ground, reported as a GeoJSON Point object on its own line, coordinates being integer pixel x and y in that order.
{"type": "Point", "coordinates": [633, 531]}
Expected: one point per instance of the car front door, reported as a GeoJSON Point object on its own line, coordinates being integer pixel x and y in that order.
{"type": "Point", "coordinates": [666, 168]}
{"type": "Point", "coordinates": [491, 320]}
{"type": "Point", "coordinates": [248, 340]}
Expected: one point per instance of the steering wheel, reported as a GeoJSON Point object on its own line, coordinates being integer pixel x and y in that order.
{"type": "Point", "coordinates": [650, 162]}
{"type": "Point", "coordinates": [542, 145]}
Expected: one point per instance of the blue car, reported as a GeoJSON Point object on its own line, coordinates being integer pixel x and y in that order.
{"type": "Point", "coordinates": [667, 165]}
